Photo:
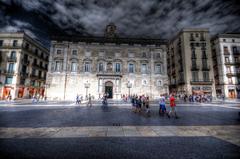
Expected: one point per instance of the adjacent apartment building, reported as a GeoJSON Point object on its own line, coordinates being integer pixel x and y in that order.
{"type": "Point", "coordinates": [108, 64]}
{"type": "Point", "coordinates": [190, 68]}
{"type": "Point", "coordinates": [23, 66]}
{"type": "Point", "coordinates": [226, 63]}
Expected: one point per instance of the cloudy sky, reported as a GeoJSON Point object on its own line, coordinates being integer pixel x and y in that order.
{"type": "Point", "coordinates": [134, 18]}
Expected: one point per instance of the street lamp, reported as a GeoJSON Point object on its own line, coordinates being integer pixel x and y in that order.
{"type": "Point", "coordinates": [87, 85]}
{"type": "Point", "coordinates": [129, 86]}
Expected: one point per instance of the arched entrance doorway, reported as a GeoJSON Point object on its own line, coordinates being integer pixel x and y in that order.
{"type": "Point", "coordinates": [109, 89]}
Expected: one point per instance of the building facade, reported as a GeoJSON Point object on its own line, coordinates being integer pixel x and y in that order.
{"type": "Point", "coordinates": [109, 64]}
{"type": "Point", "coordinates": [190, 68]}
{"type": "Point", "coordinates": [24, 64]}
{"type": "Point", "coordinates": [226, 59]}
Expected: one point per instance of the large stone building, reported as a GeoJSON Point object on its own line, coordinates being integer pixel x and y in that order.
{"type": "Point", "coordinates": [190, 68]}
{"type": "Point", "coordinates": [23, 66]}
{"type": "Point", "coordinates": [226, 59]}
{"type": "Point", "coordinates": [109, 64]}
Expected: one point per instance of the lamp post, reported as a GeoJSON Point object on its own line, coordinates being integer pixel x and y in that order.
{"type": "Point", "coordinates": [129, 86]}
{"type": "Point", "coordinates": [87, 85]}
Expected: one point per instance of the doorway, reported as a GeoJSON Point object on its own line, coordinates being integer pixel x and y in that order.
{"type": "Point", "coordinates": [109, 89]}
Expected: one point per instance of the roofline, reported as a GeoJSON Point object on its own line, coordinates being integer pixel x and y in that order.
{"type": "Point", "coordinates": [25, 35]}
{"type": "Point", "coordinates": [188, 30]}
{"type": "Point", "coordinates": [110, 40]}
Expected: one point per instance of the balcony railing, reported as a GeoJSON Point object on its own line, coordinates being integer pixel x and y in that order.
{"type": "Point", "coordinates": [24, 74]}
{"type": "Point", "coordinates": [12, 59]}
{"type": "Point", "coordinates": [231, 74]}
{"type": "Point", "coordinates": [11, 46]}
{"type": "Point", "coordinates": [109, 74]}
{"type": "Point", "coordinates": [232, 62]}
{"type": "Point", "coordinates": [226, 53]}
{"type": "Point", "coordinates": [201, 82]}
{"type": "Point", "coordinates": [194, 68]}
{"type": "Point", "coordinates": [205, 68]}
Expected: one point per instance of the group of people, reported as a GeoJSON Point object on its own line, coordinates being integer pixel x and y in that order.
{"type": "Point", "coordinates": [141, 104]}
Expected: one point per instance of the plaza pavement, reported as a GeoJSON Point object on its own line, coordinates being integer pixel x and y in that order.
{"type": "Point", "coordinates": [65, 130]}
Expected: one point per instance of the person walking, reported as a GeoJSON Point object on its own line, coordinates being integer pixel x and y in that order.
{"type": "Point", "coordinates": [147, 106]}
{"type": "Point", "coordinates": [77, 99]}
{"type": "Point", "coordinates": [172, 107]}
{"type": "Point", "coordinates": [162, 106]}
{"type": "Point", "coordinates": [89, 100]}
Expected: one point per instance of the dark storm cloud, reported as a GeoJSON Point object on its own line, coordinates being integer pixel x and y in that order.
{"type": "Point", "coordinates": [138, 18]}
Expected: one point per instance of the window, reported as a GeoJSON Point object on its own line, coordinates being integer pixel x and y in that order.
{"type": "Point", "coordinates": [100, 67]}
{"type": "Point", "coordinates": [226, 59]}
{"type": "Point", "coordinates": [8, 80]}
{"type": "Point", "coordinates": [27, 46]}
{"type": "Point", "coordinates": [144, 68]}
{"type": "Point", "coordinates": [118, 67]}
{"type": "Point", "coordinates": [233, 40]}
{"type": "Point", "coordinates": [157, 55]}
{"type": "Point", "coordinates": [39, 74]}
{"type": "Point", "coordinates": [74, 52]}
{"type": "Point", "coordinates": [195, 76]}
{"type": "Point", "coordinates": [73, 67]}
{"type": "Point", "coordinates": [13, 55]}
{"type": "Point", "coordinates": [230, 80]}
{"type": "Point", "coordinates": [59, 52]}
{"type": "Point", "coordinates": [46, 66]}
{"type": "Point", "coordinates": [58, 66]}
{"type": "Point", "coordinates": [159, 83]}
{"type": "Point", "coordinates": [144, 54]}
{"type": "Point", "coordinates": [196, 34]}
{"type": "Point", "coordinates": [205, 76]}
{"type": "Point", "coordinates": [224, 40]}
{"type": "Point", "coordinates": [10, 67]}
{"type": "Point", "coordinates": [144, 82]}
{"type": "Point", "coordinates": [41, 64]}
{"type": "Point", "coordinates": [1, 42]}
{"type": "Point", "coordinates": [204, 63]}
{"type": "Point", "coordinates": [236, 59]}
{"type": "Point", "coordinates": [234, 49]}
{"type": "Point", "coordinates": [33, 72]}
{"type": "Point", "coordinates": [158, 68]}
{"type": "Point", "coordinates": [87, 67]}
{"type": "Point", "coordinates": [228, 69]}
{"type": "Point", "coordinates": [15, 42]}
{"type": "Point", "coordinates": [131, 68]}
{"type": "Point", "coordinates": [225, 50]}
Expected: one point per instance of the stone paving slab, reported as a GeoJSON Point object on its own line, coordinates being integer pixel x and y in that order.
{"type": "Point", "coordinates": [227, 133]}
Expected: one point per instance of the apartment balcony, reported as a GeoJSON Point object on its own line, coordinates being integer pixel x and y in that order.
{"type": "Point", "coordinates": [25, 62]}
{"type": "Point", "coordinates": [226, 53]}
{"type": "Point", "coordinates": [118, 74]}
{"type": "Point", "coordinates": [194, 68]}
{"type": "Point", "coordinates": [181, 82]}
{"type": "Point", "coordinates": [236, 53]}
{"type": "Point", "coordinates": [205, 68]}
{"type": "Point", "coordinates": [33, 76]}
{"type": "Point", "coordinates": [24, 74]}
{"type": "Point", "coordinates": [192, 39]}
{"type": "Point", "coordinates": [201, 82]}
{"type": "Point", "coordinates": [202, 39]}
{"type": "Point", "coordinates": [232, 63]}
{"type": "Point", "coordinates": [233, 74]}
{"type": "Point", "coordinates": [12, 59]}
{"type": "Point", "coordinates": [10, 46]}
